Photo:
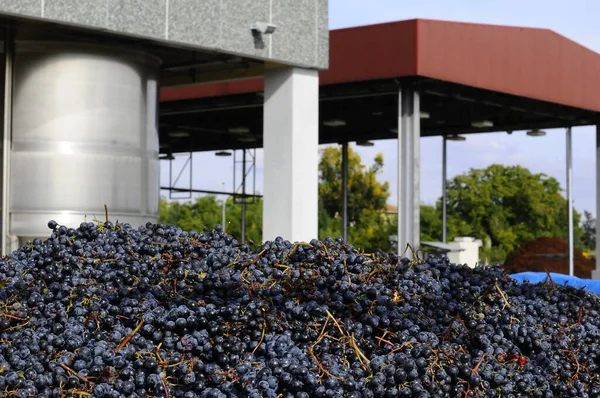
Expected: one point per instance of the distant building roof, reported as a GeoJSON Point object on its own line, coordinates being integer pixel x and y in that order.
{"type": "Point", "coordinates": [390, 208]}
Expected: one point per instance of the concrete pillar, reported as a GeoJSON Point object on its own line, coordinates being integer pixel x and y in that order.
{"type": "Point", "coordinates": [596, 272]}
{"type": "Point", "coordinates": [409, 134]}
{"type": "Point", "coordinates": [291, 154]}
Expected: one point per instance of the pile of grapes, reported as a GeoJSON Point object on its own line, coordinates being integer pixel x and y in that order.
{"type": "Point", "coordinates": [106, 310]}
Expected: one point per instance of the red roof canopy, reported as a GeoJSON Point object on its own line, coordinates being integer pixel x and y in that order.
{"type": "Point", "coordinates": [526, 62]}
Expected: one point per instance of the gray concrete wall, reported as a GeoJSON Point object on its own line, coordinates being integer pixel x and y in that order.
{"type": "Point", "coordinates": [301, 37]}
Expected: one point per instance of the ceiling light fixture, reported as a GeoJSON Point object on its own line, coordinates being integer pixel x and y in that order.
{"type": "Point", "coordinates": [364, 143]}
{"type": "Point", "coordinates": [424, 115]}
{"type": "Point", "coordinates": [536, 133]}
{"type": "Point", "coordinates": [179, 134]}
{"type": "Point", "coordinates": [239, 130]}
{"type": "Point", "coordinates": [223, 153]}
{"type": "Point", "coordinates": [482, 123]}
{"type": "Point", "coordinates": [455, 137]}
{"type": "Point", "coordinates": [334, 123]}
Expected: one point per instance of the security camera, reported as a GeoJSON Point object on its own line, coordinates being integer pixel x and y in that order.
{"type": "Point", "coordinates": [263, 27]}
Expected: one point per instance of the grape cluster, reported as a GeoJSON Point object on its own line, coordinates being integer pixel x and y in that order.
{"type": "Point", "coordinates": [107, 310]}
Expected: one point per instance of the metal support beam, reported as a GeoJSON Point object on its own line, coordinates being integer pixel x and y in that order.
{"type": "Point", "coordinates": [570, 201]}
{"type": "Point", "coordinates": [409, 134]}
{"type": "Point", "coordinates": [210, 192]}
{"type": "Point", "coordinates": [224, 207]}
{"type": "Point", "coordinates": [217, 74]}
{"type": "Point", "coordinates": [291, 154]}
{"type": "Point", "coordinates": [244, 199]}
{"type": "Point", "coordinates": [189, 163]}
{"type": "Point", "coordinates": [596, 272]}
{"type": "Point", "coordinates": [7, 139]}
{"type": "Point", "coordinates": [345, 191]}
{"type": "Point", "coordinates": [444, 189]}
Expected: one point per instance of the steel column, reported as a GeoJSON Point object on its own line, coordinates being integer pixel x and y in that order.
{"type": "Point", "coordinates": [7, 139]}
{"type": "Point", "coordinates": [409, 133]}
{"type": "Point", "coordinates": [444, 189]}
{"type": "Point", "coordinates": [596, 272]}
{"type": "Point", "coordinates": [244, 199]}
{"type": "Point", "coordinates": [345, 191]}
{"type": "Point", "coordinates": [570, 200]}
{"type": "Point", "coordinates": [223, 205]}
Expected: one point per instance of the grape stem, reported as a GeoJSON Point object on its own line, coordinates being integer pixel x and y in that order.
{"type": "Point", "coordinates": [322, 335]}
{"type": "Point", "coordinates": [128, 338]}
{"type": "Point", "coordinates": [262, 336]}
{"type": "Point", "coordinates": [165, 388]}
{"type": "Point", "coordinates": [350, 337]}
{"type": "Point", "coordinates": [476, 368]}
{"type": "Point", "coordinates": [68, 369]}
{"type": "Point", "coordinates": [16, 318]}
{"type": "Point", "coordinates": [506, 303]}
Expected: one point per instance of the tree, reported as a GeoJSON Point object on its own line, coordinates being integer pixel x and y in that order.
{"type": "Point", "coordinates": [254, 213]}
{"type": "Point", "coordinates": [364, 190]}
{"type": "Point", "coordinates": [507, 205]}
{"type": "Point", "coordinates": [588, 235]}
{"type": "Point", "coordinates": [431, 224]}
{"type": "Point", "coordinates": [369, 228]}
{"type": "Point", "coordinates": [206, 212]}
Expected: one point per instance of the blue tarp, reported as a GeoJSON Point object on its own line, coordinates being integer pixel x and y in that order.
{"type": "Point", "coordinates": [560, 279]}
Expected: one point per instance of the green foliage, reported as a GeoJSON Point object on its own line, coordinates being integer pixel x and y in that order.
{"type": "Point", "coordinates": [369, 227]}
{"type": "Point", "coordinates": [507, 205]}
{"type": "Point", "coordinates": [504, 206]}
{"type": "Point", "coordinates": [253, 220]}
{"type": "Point", "coordinates": [364, 190]}
{"type": "Point", "coordinates": [431, 224]}
{"type": "Point", "coordinates": [588, 233]}
{"type": "Point", "coordinates": [206, 212]}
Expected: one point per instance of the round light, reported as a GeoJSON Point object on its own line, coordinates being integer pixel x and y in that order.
{"type": "Point", "coordinates": [536, 133]}
{"type": "Point", "coordinates": [455, 137]}
{"type": "Point", "coordinates": [223, 153]}
{"type": "Point", "coordinates": [179, 134]}
{"type": "Point", "coordinates": [334, 123]}
{"type": "Point", "coordinates": [239, 130]}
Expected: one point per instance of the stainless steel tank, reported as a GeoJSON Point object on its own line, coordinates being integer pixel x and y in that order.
{"type": "Point", "coordinates": [84, 135]}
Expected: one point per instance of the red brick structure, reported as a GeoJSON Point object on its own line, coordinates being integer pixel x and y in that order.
{"type": "Point", "coordinates": [548, 255]}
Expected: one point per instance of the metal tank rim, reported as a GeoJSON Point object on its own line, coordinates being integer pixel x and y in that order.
{"type": "Point", "coordinates": [61, 47]}
{"type": "Point", "coordinates": [22, 227]}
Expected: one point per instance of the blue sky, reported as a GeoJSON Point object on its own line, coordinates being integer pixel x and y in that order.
{"type": "Point", "coordinates": [575, 19]}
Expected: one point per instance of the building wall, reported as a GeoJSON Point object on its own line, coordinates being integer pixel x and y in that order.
{"type": "Point", "coordinates": [301, 37]}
